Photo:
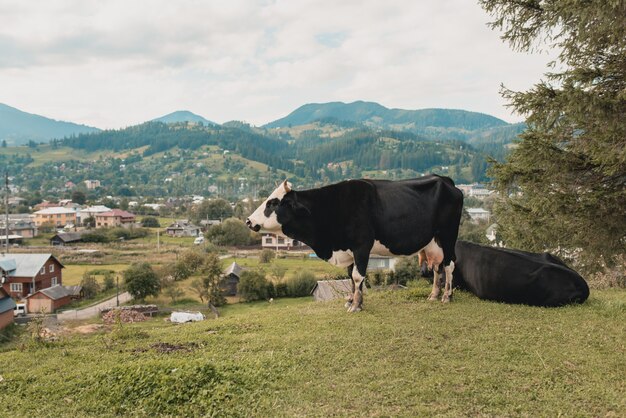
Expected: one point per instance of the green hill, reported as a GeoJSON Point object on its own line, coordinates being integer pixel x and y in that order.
{"type": "Point", "coordinates": [401, 356]}
{"type": "Point", "coordinates": [376, 115]}
{"type": "Point", "coordinates": [18, 127]}
{"type": "Point", "coordinates": [183, 116]}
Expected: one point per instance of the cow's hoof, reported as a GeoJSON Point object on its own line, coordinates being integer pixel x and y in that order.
{"type": "Point", "coordinates": [348, 304]}
{"type": "Point", "coordinates": [353, 309]}
{"type": "Point", "coordinates": [432, 297]}
{"type": "Point", "coordinates": [446, 299]}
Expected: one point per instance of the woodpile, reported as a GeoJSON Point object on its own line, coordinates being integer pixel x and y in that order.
{"type": "Point", "coordinates": [122, 315]}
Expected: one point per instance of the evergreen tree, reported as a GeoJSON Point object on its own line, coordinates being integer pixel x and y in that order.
{"type": "Point", "coordinates": [564, 185]}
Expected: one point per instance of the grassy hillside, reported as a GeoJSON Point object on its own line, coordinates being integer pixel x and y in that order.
{"type": "Point", "coordinates": [401, 356]}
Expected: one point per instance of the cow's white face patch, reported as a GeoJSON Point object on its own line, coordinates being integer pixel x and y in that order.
{"type": "Point", "coordinates": [264, 217]}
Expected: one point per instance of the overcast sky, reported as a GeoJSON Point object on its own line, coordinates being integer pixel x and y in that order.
{"type": "Point", "coordinates": [118, 63]}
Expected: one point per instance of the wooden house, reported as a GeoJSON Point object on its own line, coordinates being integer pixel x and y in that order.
{"type": "Point", "coordinates": [27, 273]}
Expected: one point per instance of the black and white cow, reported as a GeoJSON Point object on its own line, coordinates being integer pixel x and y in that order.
{"type": "Point", "coordinates": [515, 276]}
{"type": "Point", "coordinates": [346, 222]}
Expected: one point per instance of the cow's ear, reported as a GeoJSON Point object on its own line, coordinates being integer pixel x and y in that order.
{"type": "Point", "coordinates": [287, 186]}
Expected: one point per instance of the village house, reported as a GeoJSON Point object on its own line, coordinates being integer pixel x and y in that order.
{"type": "Point", "coordinates": [476, 190]}
{"type": "Point", "coordinates": [16, 201]}
{"type": "Point", "coordinates": [92, 184]}
{"type": "Point", "coordinates": [478, 214]}
{"type": "Point", "coordinates": [21, 225]}
{"type": "Point", "coordinates": [45, 205]}
{"type": "Point", "coordinates": [276, 242]}
{"type": "Point", "coordinates": [7, 305]}
{"type": "Point", "coordinates": [114, 218]}
{"type": "Point", "coordinates": [48, 300]}
{"type": "Point", "coordinates": [381, 262]}
{"type": "Point", "coordinates": [56, 216]}
{"type": "Point", "coordinates": [183, 228]}
{"type": "Point", "coordinates": [26, 273]}
{"type": "Point", "coordinates": [91, 212]}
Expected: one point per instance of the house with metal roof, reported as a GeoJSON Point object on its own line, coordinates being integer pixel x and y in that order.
{"type": "Point", "coordinates": [183, 228]}
{"type": "Point", "coordinates": [27, 273]}
{"type": "Point", "coordinates": [7, 305]}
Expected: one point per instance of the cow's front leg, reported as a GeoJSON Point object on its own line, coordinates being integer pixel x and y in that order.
{"type": "Point", "coordinates": [351, 297]}
{"type": "Point", "coordinates": [447, 292]}
{"type": "Point", "coordinates": [358, 279]}
{"type": "Point", "coordinates": [434, 294]}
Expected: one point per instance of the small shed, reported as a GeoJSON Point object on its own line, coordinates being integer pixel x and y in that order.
{"type": "Point", "coordinates": [48, 300]}
{"type": "Point", "coordinates": [231, 279]}
{"type": "Point", "coordinates": [332, 289]}
{"type": "Point", "coordinates": [75, 292]}
{"type": "Point", "coordinates": [7, 304]}
{"type": "Point", "coordinates": [65, 238]}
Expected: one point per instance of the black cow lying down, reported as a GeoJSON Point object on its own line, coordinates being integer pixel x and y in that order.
{"type": "Point", "coordinates": [515, 276]}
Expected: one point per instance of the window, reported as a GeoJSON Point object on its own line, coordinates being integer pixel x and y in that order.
{"type": "Point", "coordinates": [268, 240]}
{"type": "Point", "coordinates": [281, 240]}
{"type": "Point", "coordinates": [54, 282]}
{"type": "Point", "coordinates": [16, 287]}
{"type": "Point", "coordinates": [51, 268]}
{"type": "Point", "coordinates": [43, 270]}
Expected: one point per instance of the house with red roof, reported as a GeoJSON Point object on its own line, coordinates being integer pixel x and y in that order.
{"type": "Point", "coordinates": [113, 218]}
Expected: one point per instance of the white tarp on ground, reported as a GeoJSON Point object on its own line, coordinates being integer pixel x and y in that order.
{"type": "Point", "coordinates": [182, 317]}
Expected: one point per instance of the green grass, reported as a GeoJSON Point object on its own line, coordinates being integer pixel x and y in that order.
{"type": "Point", "coordinates": [73, 273]}
{"type": "Point", "coordinates": [401, 356]}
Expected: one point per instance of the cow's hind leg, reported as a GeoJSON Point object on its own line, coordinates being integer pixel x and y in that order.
{"type": "Point", "coordinates": [351, 298]}
{"type": "Point", "coordinates": [434, 294]}
{"type": "Point", "coordinates": [447, 292]}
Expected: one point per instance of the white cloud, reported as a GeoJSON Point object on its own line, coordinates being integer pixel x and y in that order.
{"type": "Point", "coordinates": [116, 63]}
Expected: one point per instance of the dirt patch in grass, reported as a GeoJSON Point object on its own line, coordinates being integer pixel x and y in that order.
{"type": "Point", "coordinates": [167, 348]}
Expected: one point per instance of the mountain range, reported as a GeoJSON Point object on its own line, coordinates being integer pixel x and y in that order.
{"type": "Point", "coordinates": [486, 132]}
{"type": "Point", "coordinates": [18, 127]}
{"type": "Point", "coordinates": [375, 115]}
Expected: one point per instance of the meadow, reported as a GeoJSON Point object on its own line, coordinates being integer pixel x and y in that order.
{"type": "Point", "coordinates": [401, 356]}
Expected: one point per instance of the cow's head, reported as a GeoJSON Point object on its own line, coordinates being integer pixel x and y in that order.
{"type": "Point", "coordinates": [280, 207]}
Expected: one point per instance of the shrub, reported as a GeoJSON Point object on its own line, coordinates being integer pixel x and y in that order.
{"type": "Point", "coordinates": [150, 222]}
{"type": "Point", "coordinates": [407, 268]}
{"type": "Point", "coordinates": [90, 285]}
{"type": "Point", "coordinates": [267, 256]}
{"type": "Point", "coordinates": [301, 284]}
{"type": "Point", "coordinates": [108, 282]}
{"type": "Point", "coordinates": [193, 259]}
{"type": "Point", "coordinates": [281, 290]}
{"type": "Point", "coordinates": [254, 286]}
{"type": "Point", "coordinates": [98, 235]}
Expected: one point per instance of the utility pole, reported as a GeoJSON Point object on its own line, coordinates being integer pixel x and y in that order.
{"type": "Point", "coordinates": [117, 287]}
{"type": "Point", "coordinates": [6, 209]}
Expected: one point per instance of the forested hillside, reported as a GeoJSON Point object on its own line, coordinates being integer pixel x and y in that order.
{"type": "Point", "coordinates": [237, 160]}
